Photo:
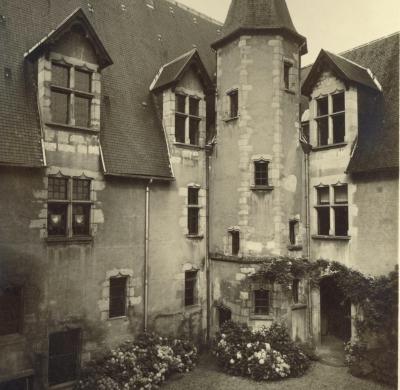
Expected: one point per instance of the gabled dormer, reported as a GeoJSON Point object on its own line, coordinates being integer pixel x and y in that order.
{"type": "Point", "coordinates": [341, 95]}
{"type": "Point", "coordinates": [69, 61]}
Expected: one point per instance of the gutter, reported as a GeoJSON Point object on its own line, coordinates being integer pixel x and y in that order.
{"type": "Point", "coordinates": [146, 256]}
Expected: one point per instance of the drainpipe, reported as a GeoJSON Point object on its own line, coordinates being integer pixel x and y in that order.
{"type": "Point", "coordinates": [146, 255]}
{"type": "Point", "coordinates": [207, 260]}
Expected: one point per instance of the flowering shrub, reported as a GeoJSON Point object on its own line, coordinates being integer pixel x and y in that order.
{"type": "Point", "coordinates": [143, 364]}
{"type": "Point", "coordinates": [266, 354]}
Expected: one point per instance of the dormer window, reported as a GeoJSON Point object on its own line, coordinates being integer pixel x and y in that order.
{"type": "Point", "coordinates": [331, 119]}
{"type": "Point", "coordinates": [187, 119]}
{"type": "Point", "coordinates": [71, 96]}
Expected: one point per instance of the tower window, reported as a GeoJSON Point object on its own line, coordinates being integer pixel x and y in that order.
{"type": "Point", "coordinates": [287, 70]}
{"type": "Point", "coordinates": [234, 103]}
{"type": "Point", "coordinates": [293, 231]}
{"type": "Point", "coordinates": [261, 173]}
{"type": "Point", "coordinates": [190, 288]}
{"type": "Point", "coordinates": [235, 242]}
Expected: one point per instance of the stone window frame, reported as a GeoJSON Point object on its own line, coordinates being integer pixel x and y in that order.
{"type": "Point", "coordinates": [125, 309]}
{"type": "Point", "coordinates": [188, 117]}
{"type": "Point", "coordinates": [104, 302]}
{"type": "Point", "coordinates": [231, 232]}
{"type": "Point", "coordinates": [70, 202]}
{"type": "Point", "coordinates": [227, 103]}
{"type": "Point", "coordinates": [289, 75]}
{"type": "Point", "coordinates": [262, 285]}
{"type": "Point", "coordinates": [198, 207]}
{"type": "Point", "coordinates": [329, 118]}
{"type": "Point", "coordinates": [195, 286]}
{"type": "Point", "coordinates": [296, 244]}
{"type": "Point", "coordinates": [268, 161]}
{"type": "Point", "coordinates": [45, 87]}
{"type": "Point", "coordinates": [332, 206]}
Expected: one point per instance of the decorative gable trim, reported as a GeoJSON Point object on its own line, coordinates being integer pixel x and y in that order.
{"type": "Point", "coordinates": [78, 17]}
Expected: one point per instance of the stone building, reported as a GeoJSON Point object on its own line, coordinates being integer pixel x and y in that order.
{"type": "Point", "coordinates": [152, 158]}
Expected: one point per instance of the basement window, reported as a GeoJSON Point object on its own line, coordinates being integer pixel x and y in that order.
{"type": "Point", "coordinates": [64, 352]}
{"type": "Point", "coordinates": [261, 302]}
{"type": "Point", "coordinates": [118, 297]}
{"type": "Point", "coordinates": [193, 211]}
{"type": "Point", "coordinates": [11, 310]}
{"type": "Point", "coordinates": [190, 288]}
{"type": "Point", "coordinates": [233, 104]}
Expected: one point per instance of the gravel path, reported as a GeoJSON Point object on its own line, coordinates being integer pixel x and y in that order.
{"type": "Point", "coordinates": [207, 377]}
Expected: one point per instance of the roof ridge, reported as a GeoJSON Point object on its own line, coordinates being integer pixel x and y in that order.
{"type": "Point", "coordinates": [194, 12]}
{"type": "Point", "coordinates": [346, 59]}
{"type": "Point", "coordinates": [370, 42]}
{"type": "Point", "coordinates": [191, 51]}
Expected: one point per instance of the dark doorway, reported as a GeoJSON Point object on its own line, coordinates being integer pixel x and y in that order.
{"type": "Point", "coordinates": [335, 312]}
{"type": "Point", "coordinates": [224, 315]}
{"type": "Point", "coordinates": [17, 384]}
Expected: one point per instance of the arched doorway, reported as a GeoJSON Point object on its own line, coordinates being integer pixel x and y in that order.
{"type": "Point", "coordinates": [335, 313]}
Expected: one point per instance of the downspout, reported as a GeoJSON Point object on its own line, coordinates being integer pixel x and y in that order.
{"type": "Point", "coordinates": [207, 260]}
{"type": "Point", "coordinates": [146, 256]}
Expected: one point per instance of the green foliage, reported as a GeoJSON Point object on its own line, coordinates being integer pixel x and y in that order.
{"type": "Point", "coordinates": [266, 354]}
{"type": "Point", "coordinates": [143, 364]}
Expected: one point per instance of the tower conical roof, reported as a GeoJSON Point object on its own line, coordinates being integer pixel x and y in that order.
{"type": "Point", "coordinates": [258, 16]}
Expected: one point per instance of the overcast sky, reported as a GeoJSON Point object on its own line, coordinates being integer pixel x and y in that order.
{"type": "Point", "coordinates": [334, 25]}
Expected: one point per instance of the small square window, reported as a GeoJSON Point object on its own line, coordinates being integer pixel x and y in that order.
{"type": "Point", "coordinates": [180, 123]}
{"type": "Point", "coordinates": [81, 189]}
{"type": "Point", "coordinates": [60, 75]}
{"type": "Point", "coordinates": [323, 195]}
{"type": "Point", "coordinates": [64, 350]}
{"type": "Point", "coordinates": [11, 308]}
{"type": "Point", "coordinates": [82, 81]}
{"type": "Point", "coordinates": [180, 103]}
{"type": "Point", "coordinates": [58, 188]}
{"type": "Point", "coordinates": [234, 104]}
{"type": "Point", "coordinates": [57, 216]}
{"type": "Point", "coordinates": [338, 102]}
{"type": "Point", "coordinates": [340, 193]}
{"type": "Point", "coordinates": [322, 106]}
{"type": "Point", "coordinates": [118, 295]}
{"type": "Point", "coordinates": [261, 173]}
{"type": "Point", "coordinates": [190, 287]}
{"type": "Point", "coordinates": [261, 302]}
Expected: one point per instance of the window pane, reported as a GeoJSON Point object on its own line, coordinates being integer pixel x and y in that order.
{"type": "Point", "coordinates": [193, 196]}
{"type": "Point", "coordinates": [180, 103]}
{"type": "Point", "coordinates": [234, 104]}
{"type": "Point", "coordinates": [82, 111]}
{"type": "Point", "coordinates": [81, 219]}
{"type": "Point", "coordinates": [57, 219]}
{"type": "Point", "coordinates": [338, 102]}
{"type": "Point", "coordinates": [323, 221]}
{"type": "Point", "coordinates": [340, 194]}
{"type": "Point", "coordinates": [10, 310]}
{"type": "Point", "coordinates": [194, 131]}
{"type": "Point", "coordinates": [82, 80]}
{"type": "Point", "coordinates": [180, 129]}
{"type": "Point", "coordinates": [235, 236]}
{"type": "Point", "coordinates": [305, 128]}
{"type": "Point", "coordinates": [261, 302]}
{"type": "Point", "coordinates": [341, 221]}
{"type": "Point", "coordinates": [322, 106]}
{"type": "Point", "coordinates": [64, 350]}
{"type": "Point", "coordinates": [323, 195]}
{"type": "Point", "coordinates": [338, 128]}
{"type": "Point", "coordinates": [59, 107]}
{"type": "Point", "coordinates": [118, 288]}
{"type": "Point", "coordinates": [81, 189]}
{"type": "Point", "coordinates": [193, 220]}
{"type": "Point", "coordinates": [60, 75]}
{"type": "Point", "coordinates": [261, 173]}
{"type": "Point", "coordinates": [194, 106]}
{"type": "Point", "coordinates": [190, 287]}
{"type": "Point", "coordinates": [323, 131]}
{"type": "Point", "coordinates": [58, 188]}
{"type": "Point", "coordinates": [293, 226]}
{"type": "Point", "coordinates": [286, 76]}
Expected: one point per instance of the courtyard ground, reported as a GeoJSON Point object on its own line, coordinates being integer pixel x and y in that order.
{"type": "Point", "coordinates": [320, 376]}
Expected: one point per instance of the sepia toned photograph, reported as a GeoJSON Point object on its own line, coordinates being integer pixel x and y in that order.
{"type": "Point", "coordinates": [199, 194]}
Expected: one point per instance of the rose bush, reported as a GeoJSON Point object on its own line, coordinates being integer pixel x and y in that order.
{"type": "Point", "coordinates": [266, 354]}
{"type": "Point", "coordinates": [142, 364]}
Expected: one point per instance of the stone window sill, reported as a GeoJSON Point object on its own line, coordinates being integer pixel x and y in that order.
{"type": "Point", "coordinates": [298, 306]}
{"type": "Point", "coordinates": [66, 385]}
{"type": "Point", "coordinates": [124, 318]}
{"type": "Point", "coordinates": [73, 127]}
{"type": "Point", "coordinates": [234, 118]}
{"type": "Point", "coordinates": [331, 238]}
{"type": "Point", "coordinates": [195, 236]}
{"type": "Point", "coordinates": [193, 308]}
{"type": "Point", "coordinates": [295, 247]}
{"type": "Point", "coordinates": [187, 146]}
{"type": "Point", "coordinates": [289, 91]}
{"type": "Point", "coordinates": [262, 188]}
{"type": "Point", "coordinates": [69, 240]}
{"type": "Point", "coordinates": [331, 146]}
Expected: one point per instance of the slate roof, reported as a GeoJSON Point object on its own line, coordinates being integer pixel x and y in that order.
{"type": "Point", "coordinates": [258, 15]}
{"type": "Point", "coordinates": [377, 147]}
{"type": "Point", "coordinates": [173, 71]}
{"type": "Point", "coordinates": [345, 69]}
{"type": "Point", "coordinates": [139, 40]}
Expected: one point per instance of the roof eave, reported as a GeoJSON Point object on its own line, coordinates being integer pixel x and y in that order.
{"type": "Point", "coordinates": [262, 31]}
{"type": "Point", "coordinates": [142, 177]}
